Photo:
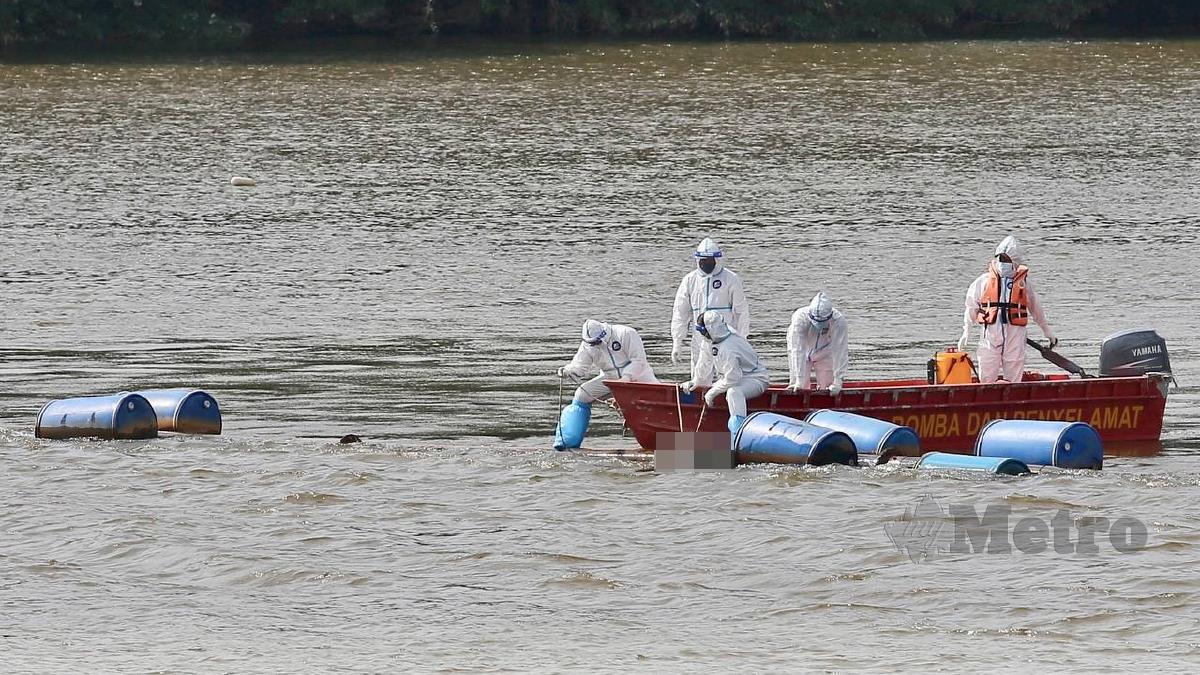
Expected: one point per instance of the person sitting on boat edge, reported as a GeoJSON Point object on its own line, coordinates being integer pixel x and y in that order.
{"type": "Point", "coordinates": [615, 351]}
{"type": "Point", "coordinates": [711, 286]}
{"type": "Point", "coordinates": [1002, 300]}
{"type": "Point", "coordinates": [818, 339]}
{"type": "Point", "coordinates": [743, 375]}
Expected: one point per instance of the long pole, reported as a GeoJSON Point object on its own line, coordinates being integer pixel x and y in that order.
{"type": "Point", "coordinates": [679, 409]}
{"type": "Point", "coordinates": [558, 412]}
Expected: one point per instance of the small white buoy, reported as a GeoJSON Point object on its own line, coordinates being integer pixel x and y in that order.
{"type": "Point", "coordinates": [242, 181]}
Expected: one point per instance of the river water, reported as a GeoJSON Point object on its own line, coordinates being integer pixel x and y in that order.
{"type": "Point", "coordinates": [427, 233]}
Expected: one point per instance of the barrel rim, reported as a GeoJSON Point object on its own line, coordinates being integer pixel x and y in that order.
{"type": "Point", "coordinates": [37, 425]}
{"type": "Point", "coordinates": [1078, 424]}
{"type": "Point", "coordinates": [179, 406]}
{"type": "Point", "coordinates": [745, 422]}
{"type": "Point", "coordinates": [888, 436]}
{"type": "Point", "coordinates": [823, 437]}
{"type": "Point", "coordinates": [121, 399]}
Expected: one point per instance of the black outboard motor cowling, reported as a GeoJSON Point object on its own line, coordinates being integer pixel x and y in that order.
{"type": "Point", "coordinates": [1132, 353]}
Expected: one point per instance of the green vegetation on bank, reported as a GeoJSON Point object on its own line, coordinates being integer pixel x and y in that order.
{"type": "Point", "coordinates": [220, 23]}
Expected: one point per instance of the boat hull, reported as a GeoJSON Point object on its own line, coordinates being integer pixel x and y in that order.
{"type": "Point", "coordinates": [1127, 411]}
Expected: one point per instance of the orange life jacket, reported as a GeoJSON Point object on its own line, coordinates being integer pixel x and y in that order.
{"type": "Point", "coordinates": [1016, 310]}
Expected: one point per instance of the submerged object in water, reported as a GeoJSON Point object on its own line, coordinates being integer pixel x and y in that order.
{"type": "Point", "coordinates": [997, 465]}
{"type": "Point", "coordinates": [572, 425]}
{"type": "Point", "coordinates": [121, 416]}
{"type": "Point", "coordinates": [871, 436]}
{"type": "Point", "coordinates": [185, 411]}
{"type": "Point", "coordinates": [770, 437]}
{"type": "Point", "coordinates": [1068, 445]}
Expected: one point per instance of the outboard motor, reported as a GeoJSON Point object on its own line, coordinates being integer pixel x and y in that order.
{"type": "Point", "coordinates": [1133, 353]}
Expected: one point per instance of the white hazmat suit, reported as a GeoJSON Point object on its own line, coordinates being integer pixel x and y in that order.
{"type": "Point", "coordinates": [1001, 344]}
{"type": "Point", "coordinates": [718, 289]}
{"type": "Point", "coordinates": [615, 351]}
{"type": "Point", "coordinates": [743, 375]}
{"type": "Point", "coordinates": [818, 339]}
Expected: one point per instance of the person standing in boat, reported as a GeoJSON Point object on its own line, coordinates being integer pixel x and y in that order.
{"type": "Point", "coordinates": [818, 340]}
{"type": "Point", "coordinates": [1002, 300]}
{"type": "Point", "coordinates": [743, 375]}
{"type": "Point", "coordinates": [709, 287]}
{"type": "Point", "coordinates": [616, 352]}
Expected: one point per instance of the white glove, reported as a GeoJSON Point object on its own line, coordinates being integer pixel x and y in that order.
{"type": "Point", "coordinates": [1053, 340]}
{"type": "Point", "coordinates": [962, 341]}
{"type": "Point", "coordinates": [795, 387]}
{"type": "Point", "coordinates": [677, 352]}
{"type": "Point", "coordinates": [835, 388]}
{"type": "Point", "coordinates": [710, 397]}
{"type": "Point", "coordinates": [562, 372]}
{"type": "Point", "coordinates": [688, 387]}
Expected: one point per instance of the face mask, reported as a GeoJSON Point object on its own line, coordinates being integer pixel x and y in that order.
{"type": "Point", "coordinates": [1006, 269]}
{"type": "Point", "coordinates": [701, 329]}
{"type": "Point", "coordinates": [707, 265]}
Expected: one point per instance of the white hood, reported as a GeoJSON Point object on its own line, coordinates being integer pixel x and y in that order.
{"type": "Point", "coordinates": [594, 330]}
{"type": "Point", "coordinates": [709, 249]}
{"type": "Point", "coordinates": [820, 309]}
{"type": "Point", "coordinates": [715, 324]}
{"type": "Point", "coordinates": [1012, 248]}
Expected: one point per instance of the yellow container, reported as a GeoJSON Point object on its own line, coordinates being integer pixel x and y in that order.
{"type": "Point", "coordinates": [954, 367]}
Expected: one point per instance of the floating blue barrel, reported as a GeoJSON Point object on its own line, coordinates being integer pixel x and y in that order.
{"type": "Point", "coordinates": [999, 465]}
{"type": "Point", "coordinates": [1069, 445]}
{"type": "Point", "coordinates": [122, 415]}
{"type": "Point", "coordinates": [770, 437]}
{"type": "Point", "coordinates": [871, 436]}
{"type": "Point", "coordinates": [185, 411]}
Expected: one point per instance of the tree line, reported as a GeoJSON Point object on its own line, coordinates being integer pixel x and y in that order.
{"type": "Point", "coordinates": [238, 23]}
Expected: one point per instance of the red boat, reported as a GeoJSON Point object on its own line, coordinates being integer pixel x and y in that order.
{"type": "Point", "coordinates": [1127, 411]}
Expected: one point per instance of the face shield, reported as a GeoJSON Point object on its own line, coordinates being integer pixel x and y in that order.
{"type": "Point", "coordinates": [701, 328]}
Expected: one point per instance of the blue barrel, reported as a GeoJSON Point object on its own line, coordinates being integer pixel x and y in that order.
{"type": "Point", "coordinates": [770, 437]}
{"type": "Point", "coordinates": [1068, 445]}
{"type": "Point", "coordinates": [999, 465]}
{"type": "Point", "coordinates": [185, 411]}
{"type": "Point", "coordinates": [572, 425]}
{"type": "Point", "coordinates": [118, 416]}
{"type": "Point", "coordinates": [871, 436]}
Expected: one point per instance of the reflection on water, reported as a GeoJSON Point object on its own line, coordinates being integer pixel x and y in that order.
{"type": "Point", "coordinates": [426, 236]}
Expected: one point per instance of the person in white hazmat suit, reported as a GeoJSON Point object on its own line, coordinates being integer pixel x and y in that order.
{"type": "Point", "coordinates": [616, 352]}
{"type": "Point", "coordinates": [743, 375]}
{"type": "Point", "coordinates": [1002, 301]}
{"type": "Point", "coordinates": [709, 287]}
{"type": "Point", "coordinates": [818, 341]}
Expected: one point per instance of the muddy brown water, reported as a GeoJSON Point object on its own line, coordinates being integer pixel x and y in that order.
{"type": "Point", "coordinates": [427, 233]}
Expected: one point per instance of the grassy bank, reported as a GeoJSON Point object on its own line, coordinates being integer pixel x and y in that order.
{"type": "Point", "coordinates": [209, 24]}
